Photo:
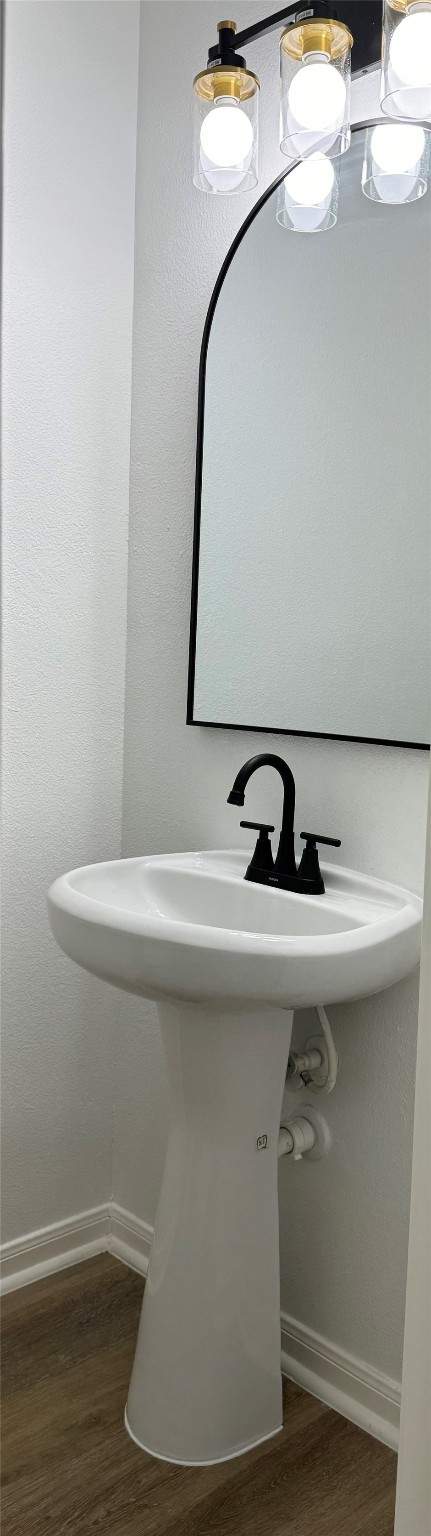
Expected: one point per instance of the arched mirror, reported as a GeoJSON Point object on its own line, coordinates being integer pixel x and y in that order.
{"type": "Point", "coordinates": [311, 582]}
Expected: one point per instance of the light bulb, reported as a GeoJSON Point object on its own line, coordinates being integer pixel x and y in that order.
{"type": "Point", "coordinates": [308, 192]}
{"type": "Point", "coordinates": [397, 148]}
{"type": "Point", "coordinates": [311, 182]}
{"type": "Point", "coordinates": [410, 50]}
{"type": "Point", "coordinates": [394, 169]}
{"type": "Point", "coordinates": [317, 96]}
{"type": "Point", "coordinates": [226, 135]}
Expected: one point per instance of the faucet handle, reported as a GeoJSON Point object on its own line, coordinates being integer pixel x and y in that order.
{"type": "Point", "coordinates": [262, 863]}
{"type": "Point", "coordinates": [309, 869]}
{"type": "Point", "coordinates": [312, 838]}
{"type": "Point", "coordinates": [257, 826]}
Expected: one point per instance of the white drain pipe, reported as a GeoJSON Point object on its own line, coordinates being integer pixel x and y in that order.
{"type": "Point", "coordinates": [305, 1135]}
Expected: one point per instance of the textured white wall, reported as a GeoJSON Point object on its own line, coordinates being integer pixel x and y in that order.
{"type": "Point", "coordinates": [344, 1222]}
{"type": "Point", "coordinates": [70, 144]}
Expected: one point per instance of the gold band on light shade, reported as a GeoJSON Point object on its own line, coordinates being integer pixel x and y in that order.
{"type": "Point", "coordinates": [330, 37]}
{"type": "Point", "coordinates": [225, 81]}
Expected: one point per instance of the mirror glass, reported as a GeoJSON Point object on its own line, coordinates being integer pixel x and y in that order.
{"type": "Point", "coordinates": [312, 580]}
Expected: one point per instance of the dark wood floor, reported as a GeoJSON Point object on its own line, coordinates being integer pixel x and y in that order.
{"type": "Point", "coordinates": [70, 1469]}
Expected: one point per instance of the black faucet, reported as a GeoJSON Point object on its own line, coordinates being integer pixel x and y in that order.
{"type": "Point", "coordinates": [285, 862]}
{"type": "Point", "coordinates": [283, 872]}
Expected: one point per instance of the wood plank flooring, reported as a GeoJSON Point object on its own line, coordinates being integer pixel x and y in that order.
{"type": "Point", "coordinates": [69, 1469]}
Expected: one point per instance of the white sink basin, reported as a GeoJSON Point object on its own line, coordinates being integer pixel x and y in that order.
{"type": "Point", "coordinates": [190, 926]}
{"type": "Point", "coordinates": [227, 962]}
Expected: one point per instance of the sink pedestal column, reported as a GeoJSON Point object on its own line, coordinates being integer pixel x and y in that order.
{"type": "Point", "coordinates": [206, 1380]}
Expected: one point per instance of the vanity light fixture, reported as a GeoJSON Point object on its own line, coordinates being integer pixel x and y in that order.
{"type": "Point", "coordinates": [315, 73]}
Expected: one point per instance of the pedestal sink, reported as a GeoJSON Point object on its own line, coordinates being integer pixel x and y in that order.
{"type": "Point", "coordinates": [227, 963]}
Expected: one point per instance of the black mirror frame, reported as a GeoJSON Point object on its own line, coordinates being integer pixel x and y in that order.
{"type": "Point", "coordinates": [266, 730]}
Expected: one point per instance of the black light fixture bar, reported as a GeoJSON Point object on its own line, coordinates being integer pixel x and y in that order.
{"type": "Point", "coordinates": [289, 13]}
{"type": "Point", "coordinates": [363, 17]}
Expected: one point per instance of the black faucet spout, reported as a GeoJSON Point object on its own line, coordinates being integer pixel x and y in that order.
{"type": "Point", "coordinates": [235, 797]}
{"type": "Point", "coordinates": [285, 863]}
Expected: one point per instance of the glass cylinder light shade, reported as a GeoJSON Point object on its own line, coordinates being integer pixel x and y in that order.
{"type": "Point", "coordinates": [396, 162]}
{"type": "Point", "coordinates": [226, 130]}
{"type": "Point", "coordinates": [307, 199]}
{"type": "Point", "coordinates": [406, 59]}
{"type": "Point", "coordinates": [315, 88]}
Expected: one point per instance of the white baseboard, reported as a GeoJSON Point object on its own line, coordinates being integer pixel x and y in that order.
{"type": "Point", "coordinates": [130, 1239]}
{"type": "Point", "coordinates": [106, 1229]}
{"type": "Point", "coordinates": [352, 1388]}
{"type": "Point", "coordinates": [358, 1391]}
{"type": "Point", "coordinates": [40, 1253]}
